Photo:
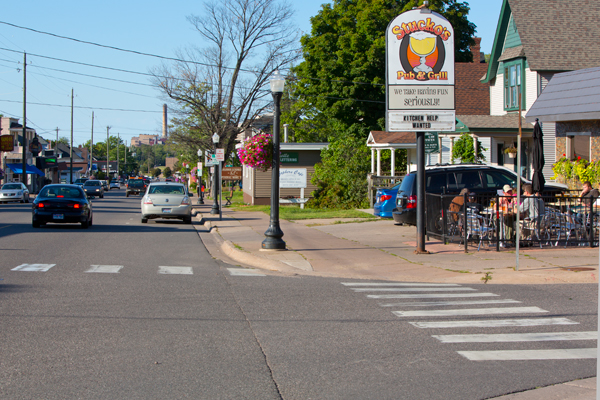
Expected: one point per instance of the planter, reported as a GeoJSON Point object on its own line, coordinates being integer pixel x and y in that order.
{"type": "Point", "coordinates": [511, 155]}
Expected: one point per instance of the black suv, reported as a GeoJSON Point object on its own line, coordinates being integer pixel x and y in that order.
{"type": "Point", "coordinates": [480, 179]}
{"type": "Point", "coordinates": [135, 186]}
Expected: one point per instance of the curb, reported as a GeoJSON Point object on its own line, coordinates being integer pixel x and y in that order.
{"type": "Point", "coordinates": [255, 261]}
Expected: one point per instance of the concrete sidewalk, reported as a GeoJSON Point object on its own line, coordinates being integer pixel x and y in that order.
{"type": "Point", "coordinates": [380, 250]}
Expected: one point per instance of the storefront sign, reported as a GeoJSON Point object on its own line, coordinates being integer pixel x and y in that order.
{"type": "Point", "coordinates": [420, 72]}
{"type": "Point", "coordinates": [421, 121]}
{"type": "Point", "coordinates": [289, 157]}
{"type": "Point", "coordinates": [432, 143]}
{"type": "Point", "coordinates": [292, 178]}
{"type": "Point", "coordinates": [7, 143]}
{"type": "Point", "coordinates": [231, 174]}
{"type": "Point", "coordinates": [413, 97]}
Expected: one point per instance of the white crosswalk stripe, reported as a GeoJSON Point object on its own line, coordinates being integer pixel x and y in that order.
{"type": "Point", "coordinates": [517, 337]}
{"type": "Point", "coordinates": [175, 270]}
{"type": "Point", "coordinates": [33, 267]}
{"type": "Point", "coordinates": [245, 272]}
{"type": "Point", "coordinates": [105, 269]}
{"type": "Point", "coordinates": [448, 303]}
{"type": "Point", "coordinates": [432, 298]}
{"type": "Point", "coordinates": [469, 311]}
{"type": "Point", "coordinates": [494, 323]}
{"type": "Point", "coordinates": [512, 355]}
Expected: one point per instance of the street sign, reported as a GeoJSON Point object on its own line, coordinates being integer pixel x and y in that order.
{"type": "Point", "coordinates": [211, 160]}
{"type": "Point", "coordinates": [220, 154]}
{"type": "Point", "coordinates": [288, 157]}
{"type": "Point", "coordinates": [432, 143]}
{"type": "Point", "coordinates": [199, 169]}
{"type": "Point", "coordinates": [231, 173]}
{"type": "Point", "coordinates": [292, 178]}
{"type": "Point", "coordinates": [421, 121]}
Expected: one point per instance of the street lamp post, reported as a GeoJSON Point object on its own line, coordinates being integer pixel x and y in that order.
{"type": "Point", "coordinates": [215, 208]}
{"type": "Point", "coordinates": [274, 233]}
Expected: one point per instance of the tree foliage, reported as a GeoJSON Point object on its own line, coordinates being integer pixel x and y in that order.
{"type": "Point", "coordinates": [222, 85]}
{"type": "Point", "coordinates": [167, 173]}
{"type": "Point", "coordinates": [464, 150]}
{"type": "Point", "coordinates": [338, 90]}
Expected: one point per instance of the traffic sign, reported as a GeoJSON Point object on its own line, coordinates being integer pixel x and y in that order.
{"type": "Point", "coordinates": [220, 154]}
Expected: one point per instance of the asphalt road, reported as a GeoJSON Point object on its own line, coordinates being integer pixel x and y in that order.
{"type": "Point", "coordinates": [174, 323]}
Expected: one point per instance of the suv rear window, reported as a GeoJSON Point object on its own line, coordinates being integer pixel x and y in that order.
{"type": "Point", "coordinates": [408, 183]}
{"type": "Point", "coordinates": [136, 182]}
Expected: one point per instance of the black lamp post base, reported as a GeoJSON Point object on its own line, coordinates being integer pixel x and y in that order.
{"type": "Point", "coordinates": [273, 244]}
{"type": "Point", "coordinates": [214, 210]}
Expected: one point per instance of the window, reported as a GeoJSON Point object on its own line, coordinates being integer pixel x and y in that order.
{"type": "Point", "coordinates": [513, 85]}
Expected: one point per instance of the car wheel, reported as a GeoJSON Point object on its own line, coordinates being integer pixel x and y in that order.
{"type": "Point", "coordinates": [85, 224]}
{"type": "Point", "coordinates": [144, 220]}
{"type": "Point", "coordinates": [35, 224]}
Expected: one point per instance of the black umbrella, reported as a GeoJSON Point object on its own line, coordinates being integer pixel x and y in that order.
{"type": "Point", "coordinates": [538, 158]}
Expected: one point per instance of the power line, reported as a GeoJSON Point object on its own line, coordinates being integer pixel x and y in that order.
{"type": "Point", "coordinates": [88, 108]}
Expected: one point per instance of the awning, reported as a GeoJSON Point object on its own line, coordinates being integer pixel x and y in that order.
{"type": "Point", "coordinates": [29, 169]}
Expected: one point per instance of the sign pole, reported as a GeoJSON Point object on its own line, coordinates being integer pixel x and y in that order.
{"type": "Point", "coordinates": [421, 194]}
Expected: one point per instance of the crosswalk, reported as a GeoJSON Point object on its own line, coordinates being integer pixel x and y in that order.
{"type": "Point", "coordinates": [116, 269]}
{"type": "Point", "coordinates": [442, 307]}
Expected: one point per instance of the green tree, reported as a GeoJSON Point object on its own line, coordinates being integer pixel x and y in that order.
{"type": "Point", "coordinates": [340, 177]}
{"type": "Point", "coordinates": [156, 172]}
{"type": "Point", "coordinates": [167, 173]}
{"type": "Point", "coordinates": [338, 92]}
{"type": "Point", "coordinates": [464, 150]}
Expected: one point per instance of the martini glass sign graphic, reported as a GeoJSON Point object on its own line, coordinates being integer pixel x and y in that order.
{"type": "Point", "coordinates": [422, 45]}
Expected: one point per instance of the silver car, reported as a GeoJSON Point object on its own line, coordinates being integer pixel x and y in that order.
{"type": "Point", "coordinates": [168, 200]}
{"type": "Point", "coordinates": [16, 191]}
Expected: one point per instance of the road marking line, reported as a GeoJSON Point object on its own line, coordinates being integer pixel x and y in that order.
{"type": "Point", "coordinates": [447, 303]}
{"type": "Point", "coordinates": [517, 337]}
{"type": "Point", "coordinates": [494, 323]}
{"type": "Point", "coordinates": [33, 267]}
{"type": "Point", "coordinates": [468, 311]}
{"type": "Point", "coordinates": [396, 284]}
{"type": "Point", "coordinates": [510, 355]}
{"type": "Point", "coordinates": [245, 272]}
{"type": "Point", "coordinates": [175, 270]}
{"type": "Point", "coordinates": [428, 295]}
{"type": "Point", "coordinates": [105, 269]}
{"type": "Point", "coordinates": [415, 289]}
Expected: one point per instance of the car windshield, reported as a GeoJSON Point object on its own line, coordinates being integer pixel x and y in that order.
{"type": "Point", "coordinates": [61, 191]}
{"type": "Point", "coordinates": [166, 189]}
{"type": "Point", "coordinates": [137, 182]}
{"type": "Point", "coordinates": [92, 183]}
{"type": "Point", "coordinates": [11, 186]}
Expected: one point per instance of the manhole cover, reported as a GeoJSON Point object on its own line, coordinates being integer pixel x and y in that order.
{"type": "Point", "coordinates": [578, 269]}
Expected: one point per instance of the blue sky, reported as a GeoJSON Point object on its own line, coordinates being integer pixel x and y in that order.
{"type": "Point", "coordinates": [130, 108]}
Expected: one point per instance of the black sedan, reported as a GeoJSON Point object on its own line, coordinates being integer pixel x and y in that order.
{"type": "Point", "coordinates": [62, 204]}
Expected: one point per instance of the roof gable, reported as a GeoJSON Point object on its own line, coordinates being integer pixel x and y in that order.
{"type": "Point", "coordinates": [555, 35]}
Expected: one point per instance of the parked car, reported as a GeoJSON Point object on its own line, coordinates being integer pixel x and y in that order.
{"type": "Point", "coordinates": [114, 184]}
{"type": "Point", "coordinates": [104, 185]}
{"type": "Point", "coordinates": [81, 181]}
{"type": "Point", "coordinates": [135, 186]}
{"type": "Point", "coordinates": [61, 203]}
{"type": "Point", "coordinates": [168, 200]}
{"type": "Point", "coordinates": [385, 201]}
{"type": "Point", "coordinates": [15, 191]}
{"type": "Point", "coordinates": [481, 179]}
{"type": "Point", "coordinates": [93, 188]}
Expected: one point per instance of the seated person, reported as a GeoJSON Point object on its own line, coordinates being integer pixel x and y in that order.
{"type": "Point", "coordinates": [507, 203]}
{"type": "Point", "coordinates": [472, 204]}
{"type": "Point", "coordinates": [588, 195]}
{"type": "Point", "coordinates": [532, 206]}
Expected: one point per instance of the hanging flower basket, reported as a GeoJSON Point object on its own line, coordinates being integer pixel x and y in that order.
{"type": "Point", "coordinates": [257, 152]}
{"type": "Point", "coordinates": [511, 151]}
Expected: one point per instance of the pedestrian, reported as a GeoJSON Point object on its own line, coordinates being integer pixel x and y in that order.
{"type": "Point", "coordinates": [457, 204]}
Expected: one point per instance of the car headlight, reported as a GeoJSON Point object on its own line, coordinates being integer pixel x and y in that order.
{"type": "Point", "coordinates": [20, 193]}
{"type": "Point", "coordinates": [97, 190]}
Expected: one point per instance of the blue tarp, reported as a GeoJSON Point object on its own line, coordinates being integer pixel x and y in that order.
{"type": "Point", "coordinates": [29, 169]}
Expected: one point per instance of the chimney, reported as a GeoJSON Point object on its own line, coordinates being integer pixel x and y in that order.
{"type": "Point", "coordinates": [164, 130]}
{"type": "Point", "coordinates": [476, 50]}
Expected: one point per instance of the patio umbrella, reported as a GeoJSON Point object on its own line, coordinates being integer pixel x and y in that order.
{"type": "Point", "coordinates": [538, 158]}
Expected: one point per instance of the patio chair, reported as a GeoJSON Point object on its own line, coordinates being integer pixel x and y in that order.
{"type": "Point", "coordinates": [480, 227]}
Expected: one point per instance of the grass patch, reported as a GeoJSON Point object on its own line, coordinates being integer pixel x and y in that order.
{"type": "Point", "coordinates": [293, 212]}
{"type": "Point", "coordinates": [458, 270]}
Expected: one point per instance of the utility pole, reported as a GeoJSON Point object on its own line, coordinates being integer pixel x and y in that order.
{"type": "Point", "coordinates": [118, 145]}
{"type": "Point", "coordinates": [126, 156]}
{"type": "Point", "coordinates": [56, 144]}
{"type": "Point", "coordinates": [24, 171]}
{"type": "Point", "coordinates": [71, 149]}
{"type": "Point", "coordinates": [107, 137]}
{"type": "Point", "coordinates": [92, 146]}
